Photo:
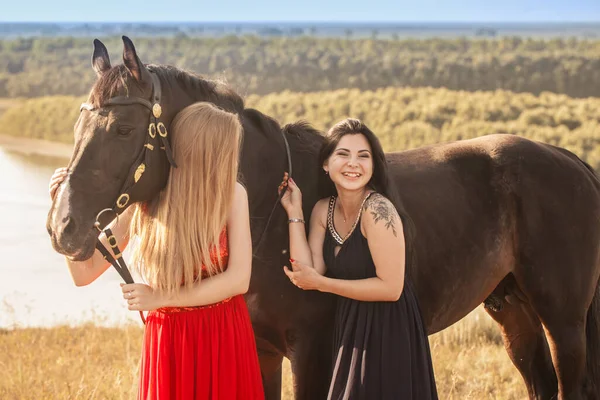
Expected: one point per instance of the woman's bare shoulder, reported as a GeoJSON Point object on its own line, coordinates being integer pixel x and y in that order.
{"type": "Point", "coordinates": [240, 192]}
{"type": "Point", "coordinates": [319, 211]}
{"type": "Point", "coordinates": [379, 208]}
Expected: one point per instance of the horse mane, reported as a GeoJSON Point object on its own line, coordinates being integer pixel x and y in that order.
{"type": "Point", "coordinates": [218, 92]}
{"type": "Point", "coordinates": [305, 137]}
{"type": "Point", "coordinates": [213, 90]}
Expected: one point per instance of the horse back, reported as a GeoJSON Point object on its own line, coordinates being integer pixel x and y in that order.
{"type": "Point", "coordinates": [466, 199]}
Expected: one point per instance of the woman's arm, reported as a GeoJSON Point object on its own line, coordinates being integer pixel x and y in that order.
{"type": "Point", "coordinates": [310, 252]}
{"type": "Point", "coordinates": [307, 252]}
{"type": "Point", "coordinates": [383, 229]}
{"type": "Point", "coordinates": [233, 281]}
{"type": "Point", "coordinates": [86, 272]}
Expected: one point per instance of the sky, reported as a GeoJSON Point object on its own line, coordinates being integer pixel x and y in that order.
{"type": "Point", "coordinates": [300, 11]}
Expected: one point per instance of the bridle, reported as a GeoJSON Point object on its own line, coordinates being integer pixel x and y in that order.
{"type": "Point", "coordinates": [157, 131]}
{"type": "Point", "coordinates": [148, 158]}
{"type": "Point", "coordinates": [132, 189]}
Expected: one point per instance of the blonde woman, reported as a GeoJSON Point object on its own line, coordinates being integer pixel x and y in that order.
{"type": "Point", "coordinates": [195, 254]}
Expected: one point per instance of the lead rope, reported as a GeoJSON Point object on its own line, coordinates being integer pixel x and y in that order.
{"type": "Point", "coordinates": [281, 193]}
{"type": "Point", "coordinates": [117, 261]}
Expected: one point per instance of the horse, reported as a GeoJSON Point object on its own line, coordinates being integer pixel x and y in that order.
{"type": "Point", "coordinates": [500, 219]}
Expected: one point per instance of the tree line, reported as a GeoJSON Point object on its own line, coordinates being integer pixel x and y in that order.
{"type": "Point", "coordinates": [403, 118]}
{"type": "Point", "coordinates": [32, 67]}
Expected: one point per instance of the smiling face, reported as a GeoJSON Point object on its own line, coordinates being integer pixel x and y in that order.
{"type": "Point", "coordinates": [350, 166]}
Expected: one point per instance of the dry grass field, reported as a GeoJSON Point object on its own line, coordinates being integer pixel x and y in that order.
{"type": "Point", "coordinates": [91, 362]}
{"type": "Point", "coordinates": [6, 103]}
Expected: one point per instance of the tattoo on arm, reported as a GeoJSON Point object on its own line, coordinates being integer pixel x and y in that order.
{"type": "Point", "coordinates": [382, 210]}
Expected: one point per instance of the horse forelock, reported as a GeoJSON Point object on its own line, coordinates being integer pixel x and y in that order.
{"type": "Point", "coordinates": [109, 84]}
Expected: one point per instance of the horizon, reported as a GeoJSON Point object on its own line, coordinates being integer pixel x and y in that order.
{"type": "Point", "coordinates": [361, 22]}
{"type": "Point", "coordinates": [268, 11]}
{"type": "Point", "coordinates": [357, 29]}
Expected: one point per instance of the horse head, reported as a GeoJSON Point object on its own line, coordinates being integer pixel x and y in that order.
{"type": "Point", "coordinates": [121, 153]}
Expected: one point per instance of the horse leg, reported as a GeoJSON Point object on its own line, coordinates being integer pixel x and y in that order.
{"type": "Point", "coordinates": [592, 384]}
{"type": "Point", "coordinates": [310, 358]}
{"type": "Point", "coordinates": [524, 341]}
{"type": "Point", "coordinates": [270, 360]}
{"type": "Point", "coordinates": [573, 332]}
{"type": "Point", "coordinates": [562, 309]}
{"type": "Point", "coordinates": [567, 340]}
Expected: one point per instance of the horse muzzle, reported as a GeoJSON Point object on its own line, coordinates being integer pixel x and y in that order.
{"type": "Point", "coordinates": [69, 236]}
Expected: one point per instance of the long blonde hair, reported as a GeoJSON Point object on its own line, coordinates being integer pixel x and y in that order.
{"type": "Point", "coordinates": [178, 232]}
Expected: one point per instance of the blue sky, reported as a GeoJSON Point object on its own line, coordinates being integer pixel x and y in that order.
{"type": "Point", "coordinates": [303, 10]}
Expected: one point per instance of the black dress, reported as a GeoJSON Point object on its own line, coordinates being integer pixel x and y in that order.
{"type": "Point", "coordinates": [380, 348]}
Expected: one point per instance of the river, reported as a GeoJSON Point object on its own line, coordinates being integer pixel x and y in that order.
{"type": "Point", "coordinates": [35, 286]}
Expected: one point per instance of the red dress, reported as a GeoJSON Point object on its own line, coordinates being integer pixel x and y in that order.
{"type": "Point", "coordinates": [205, 352]}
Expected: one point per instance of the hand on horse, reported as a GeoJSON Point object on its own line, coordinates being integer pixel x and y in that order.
{"type": "Point", "coordinates": [292, 198]}
{"type": "Point", "coordinates": [141, 297]}
{"type": "Point", "coordinates": [303, 276]}
{"type": "Point", "coordinates": [57, 178]}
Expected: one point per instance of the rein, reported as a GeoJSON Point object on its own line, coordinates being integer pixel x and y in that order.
{"type": "Point", "coordinates": [281, 193]}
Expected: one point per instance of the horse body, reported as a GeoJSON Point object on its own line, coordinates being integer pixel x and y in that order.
{"type": "Point", "coordinates": [498, 215]}
{"type": "Point", "coordinates": [517, 219]}
{"type": "Point", "coordinates": [457, 196]}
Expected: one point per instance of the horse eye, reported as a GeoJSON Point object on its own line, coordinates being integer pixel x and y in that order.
{"type": "Point", "coordinates": [124, 130]}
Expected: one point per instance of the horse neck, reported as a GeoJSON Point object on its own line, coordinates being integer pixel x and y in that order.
{"type": "Point", "coordinates": [186, 90]}
{"type": "Point", "coordinates": [264, 158]}
{"type": "Point", "coordinates": [262, 135]}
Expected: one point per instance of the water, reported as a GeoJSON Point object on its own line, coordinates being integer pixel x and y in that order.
{"type": "Point", "coordinates": [11, 30]}
{"type": "Point", "coordinates": [35, 285]}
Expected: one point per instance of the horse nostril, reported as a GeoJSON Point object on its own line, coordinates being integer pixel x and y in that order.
{"type": "Point", "coordinates": [69, 225]}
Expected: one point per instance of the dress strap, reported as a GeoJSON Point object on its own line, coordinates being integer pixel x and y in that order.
{"type": "Point", "coordinates": [332, 230]}
{"type": "Point", "coordinates": [336, 236]}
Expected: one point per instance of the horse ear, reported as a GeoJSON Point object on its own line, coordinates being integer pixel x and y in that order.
{"type": "Point", "coordinates": [133, 63]}
{"type": "Point", "coordinates": [100, 60]}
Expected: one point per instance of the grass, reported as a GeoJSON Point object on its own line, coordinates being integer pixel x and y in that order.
{"type": "Point", "coordinates": [6, 103]}
{"type": "Point", "coordinates": [91, 362]}
{"type": "Point", "coordinates": [470, 362]}
{"type": "Point", "coordinates": [86, 362]}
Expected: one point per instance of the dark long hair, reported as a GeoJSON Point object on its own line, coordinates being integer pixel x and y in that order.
{"type": "Point", "coordinates": [380, 182]}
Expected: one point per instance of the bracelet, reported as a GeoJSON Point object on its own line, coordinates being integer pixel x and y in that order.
{"type": "Point", "coordinates": [296, 220]}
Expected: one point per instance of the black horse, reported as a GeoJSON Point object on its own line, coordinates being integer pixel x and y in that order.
{"type": "Point", "coordinates": [500, 218]}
